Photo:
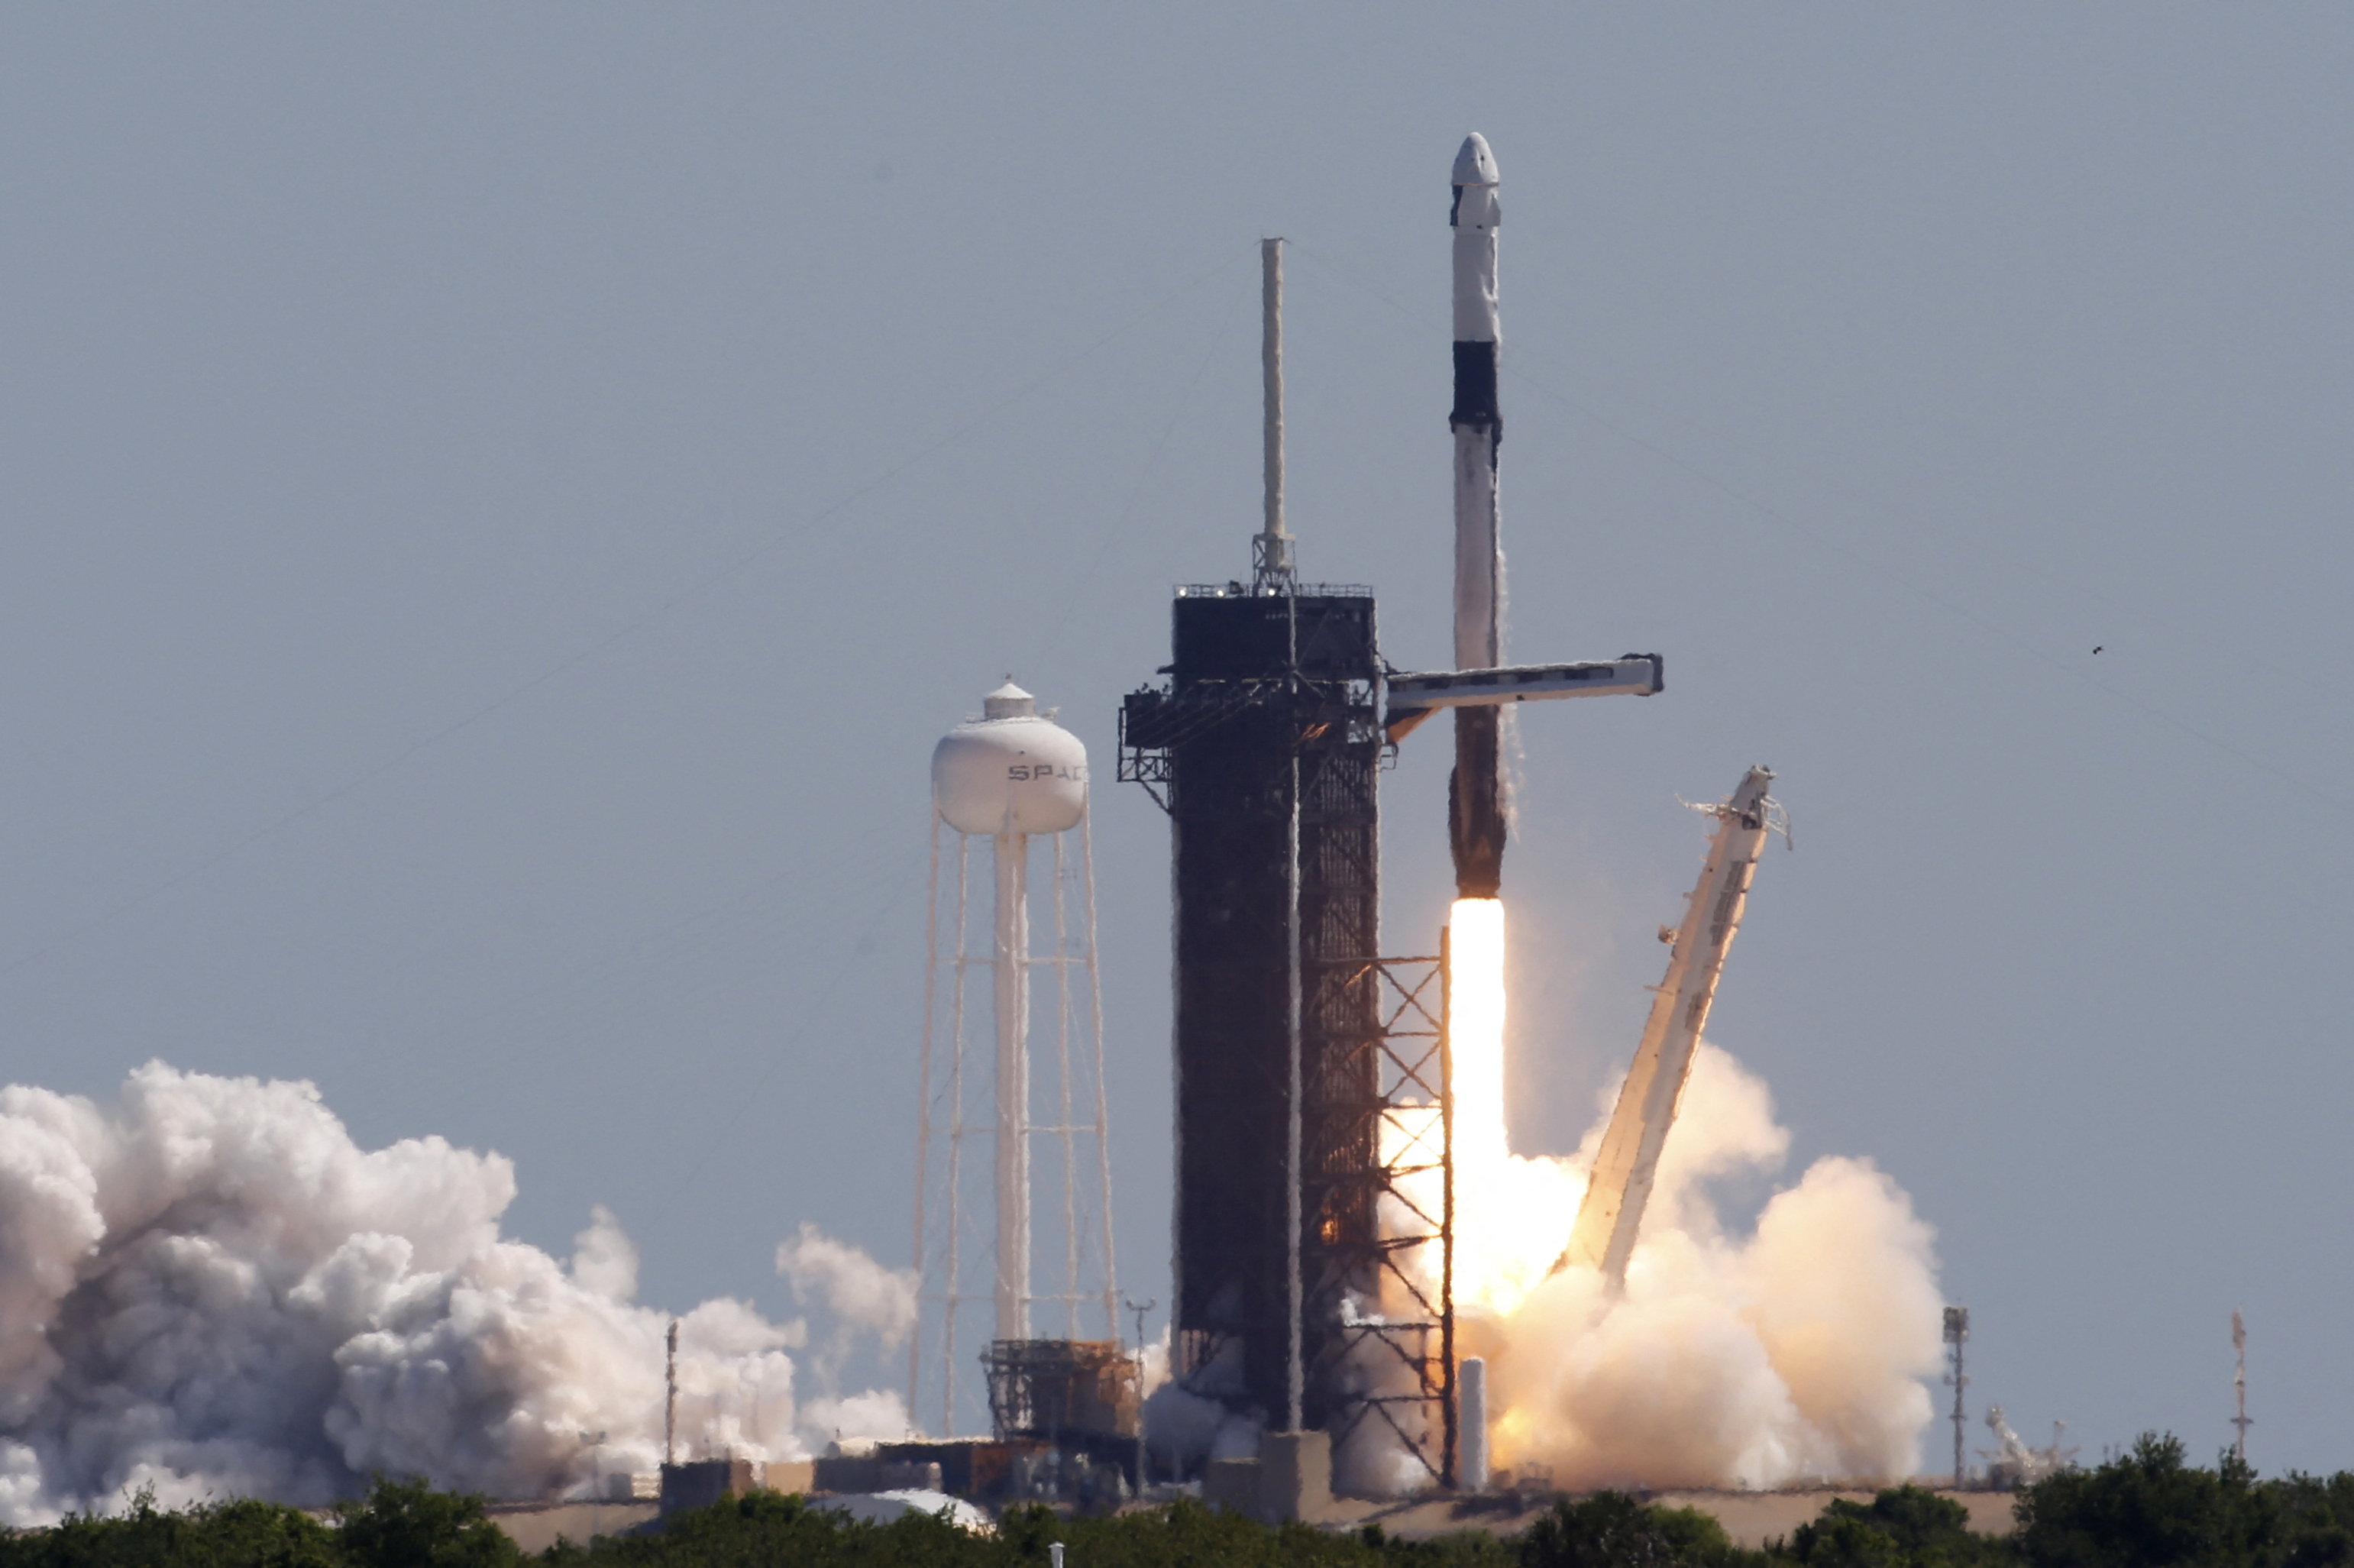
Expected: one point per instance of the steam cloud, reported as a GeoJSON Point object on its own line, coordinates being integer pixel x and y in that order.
{"type": "Point", "coordinates": [207, 1287]}
{"type": "Point", "coordinates": [1793, 1352]}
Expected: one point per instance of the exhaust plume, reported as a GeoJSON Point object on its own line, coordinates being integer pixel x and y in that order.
{"type": "Point", "coordinates": [207, 1287]}
{"type": "Point", "coordinates": [1793, 1352]}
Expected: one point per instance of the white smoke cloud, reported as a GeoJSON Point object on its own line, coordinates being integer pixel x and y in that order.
{"type": "Point", "coordinates": [604, 1260]}
{"type": "Point", "coordinates": [1793, 1352]}
{"type": "Point", "coordinates": [21, 1498]}
{"type": "Point", "coordinates": [1188, 1424]}
{"type": "Point", "coordinates": [206, 1287]}
{"type": "Point", "coordinates": [858, 1292]}
{"type": "Point", "coordinates": [876, 1413]}
{"type": "Point", "coordinates": [866, 1300]}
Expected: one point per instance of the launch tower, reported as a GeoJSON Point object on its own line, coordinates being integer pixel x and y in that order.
{"type": "Point", "coordinates": [1308, 1070]}
{"type": "Point", "coordinates": [1263, 750]}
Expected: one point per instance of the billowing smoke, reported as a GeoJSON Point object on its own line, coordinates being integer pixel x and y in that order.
{"type": "Point", "coordinates": [1189, 1424]}
{"type": "Point", "coordinates": [207, 1287]}
{"type": "Point", "coordinates": [1791, 1352]}
{"type": "Point", "coordinates": [866, 1300]}
{"type": "Point", "coordinates": [859, 1293]}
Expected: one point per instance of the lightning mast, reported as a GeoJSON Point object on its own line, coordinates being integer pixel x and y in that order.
{"type": "Point", "coordinates": [670, 1397]}
{"type": "Point", "coordinates": [1271, 550]}
{"type": "Point", "coordinates": [2240, 1386]}
{"type": "Point", "coordinates": [1958, 1334]}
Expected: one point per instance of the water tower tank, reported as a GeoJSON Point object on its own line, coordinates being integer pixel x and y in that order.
{"type": "Point", "coordinates": [1010, 770]}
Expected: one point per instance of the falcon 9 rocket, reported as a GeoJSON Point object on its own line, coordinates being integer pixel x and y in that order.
{"type": "Point", "coordinates": [1475, 795]}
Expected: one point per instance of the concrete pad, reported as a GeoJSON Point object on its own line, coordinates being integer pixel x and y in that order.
{"type": "Point", "coordinates": [1295, 1476]}
{"type": "Point", "coordinates": [1232, 1484]}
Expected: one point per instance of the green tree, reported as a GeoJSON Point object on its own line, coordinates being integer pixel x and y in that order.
{"type": "Point", "coordinates": [2147, 1508]}
{"type": "Point", "coordinates": [1611, 1529]}
{"type": "Point", "coordinates": [763, 1529]}
{"type": "Point", "coordinates": [1902, 1527]}
{"type": "Point", "coordinates": [407, 1524]}
{"type": "Point", "coordinates": [1846, 1541]}
{"type": "Point", "coordinates": [2316, 1519]}
{"type": "Point", "coordinates": [241, 1535]}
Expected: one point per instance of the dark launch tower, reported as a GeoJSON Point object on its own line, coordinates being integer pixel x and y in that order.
{"type": "Point", "coordinates": [1270, 727]}
{"type": "Point", "coordinates": [1311, 1073]}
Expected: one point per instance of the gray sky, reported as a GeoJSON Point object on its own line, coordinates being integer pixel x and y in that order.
{"type": "Point", "coordinates": [499, 501]}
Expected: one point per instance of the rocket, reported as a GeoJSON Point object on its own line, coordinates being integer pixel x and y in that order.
{"type": "Point", "coordinates": [1474, 795]}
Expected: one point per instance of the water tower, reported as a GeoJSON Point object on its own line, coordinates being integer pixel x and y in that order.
{"type": "Point", "coordinates": [999, 996]}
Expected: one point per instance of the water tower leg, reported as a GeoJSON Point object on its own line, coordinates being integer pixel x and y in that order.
{"type": "Point", "coordinates": [1013, 987]}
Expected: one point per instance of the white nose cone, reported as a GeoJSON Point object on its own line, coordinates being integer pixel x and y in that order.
{"type": "Point", "coordinates": [1010, 771]}
{"type": "Point", "coordinates": [1475, 165]}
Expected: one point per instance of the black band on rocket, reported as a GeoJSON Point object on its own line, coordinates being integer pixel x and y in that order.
{"type": "Point", "coordinates": [1475, 389]}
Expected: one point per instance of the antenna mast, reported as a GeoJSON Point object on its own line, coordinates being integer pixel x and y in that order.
{"type": "Point", "coordinates": [1958, 1333]}
{"type": "Point", "coordinates": [2240, 1386]}
{"type": "Point", "coordinates": [1271, 549]}
{"type": "Point", "coordinates": [670, 1402]}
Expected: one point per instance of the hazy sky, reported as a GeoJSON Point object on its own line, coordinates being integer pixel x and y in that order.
{"type": "Point", "coordinates": [500, 500]}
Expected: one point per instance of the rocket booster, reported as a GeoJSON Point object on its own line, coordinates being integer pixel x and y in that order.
{"type": "Point", "coordinates": [1475, 795]}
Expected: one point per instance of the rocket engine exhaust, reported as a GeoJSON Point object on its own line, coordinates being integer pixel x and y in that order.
{"type": "Point", "coordinates": [1475, 794]}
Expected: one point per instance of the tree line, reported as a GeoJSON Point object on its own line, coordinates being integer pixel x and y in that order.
{"type": "Point", "coordinates": [2146, 1509]}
